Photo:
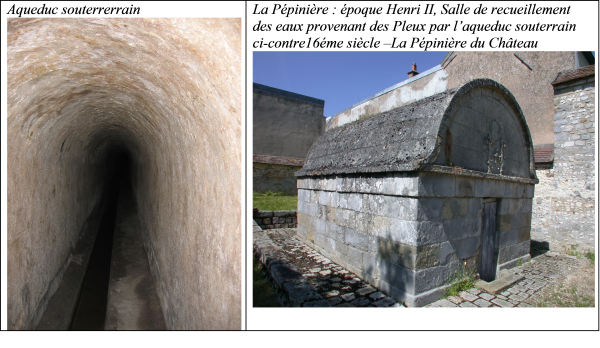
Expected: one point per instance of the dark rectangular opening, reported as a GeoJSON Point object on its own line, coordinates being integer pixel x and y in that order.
{"type": "Point", "coordinates": [487, 256]}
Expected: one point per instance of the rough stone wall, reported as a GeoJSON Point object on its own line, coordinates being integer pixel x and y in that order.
{"type": "Point", "coordinates": [564, 202]}
{"type": "Point", "coordinates": [167, 91]}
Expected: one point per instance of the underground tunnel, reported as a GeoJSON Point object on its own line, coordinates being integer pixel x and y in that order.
{"type": "Point", "coordinates": [124, 174]}
{"type": "Point", "coordinates": [90, 310]}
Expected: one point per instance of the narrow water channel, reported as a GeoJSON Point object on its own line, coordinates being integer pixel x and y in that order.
{"type": "Point", "coordinates": [90, 312]}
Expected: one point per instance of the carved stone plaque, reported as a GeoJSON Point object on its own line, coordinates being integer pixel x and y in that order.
{"type": "Point", "coordinates": [494, 149]}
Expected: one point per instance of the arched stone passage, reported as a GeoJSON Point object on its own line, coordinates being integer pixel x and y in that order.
{"type": "Point", "coordinates": [165, 92]}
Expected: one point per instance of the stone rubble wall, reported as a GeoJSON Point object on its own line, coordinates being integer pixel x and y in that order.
{"type": "Point", "coordinates": [564, 202]}
{"type": "Point", "coordinates": [276, 219]}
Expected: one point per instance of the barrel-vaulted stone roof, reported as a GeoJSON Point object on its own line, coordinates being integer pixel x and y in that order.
{"type": "Point", "coordinates": [396, 140]}
{"type": "Point", "coordinates": [478, 128]}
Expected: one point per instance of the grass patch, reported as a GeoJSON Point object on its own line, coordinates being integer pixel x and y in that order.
{"type": "Point", "coordinates": [264, 294]}
{"type": "Point", "coordinates": [591, 255]}
{"type": "Point", "coordinates": [460, 281]}
{"type": "Point", "coordinates": [270, 201]}
{"type": "Point", "coordinates": [574, 251]}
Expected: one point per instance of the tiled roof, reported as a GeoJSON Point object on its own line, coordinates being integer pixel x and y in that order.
{"type": "Point", "coordinates": [543, 155]}
{"type": "Point", "coordinates": [286, 161]}
{"type": "Point", "coordinates": [574, 74]}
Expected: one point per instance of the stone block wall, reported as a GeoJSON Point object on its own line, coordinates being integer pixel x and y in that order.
{"type": "Point", "coordinates": [564, 203]}
{"type": "Point", "coordinates": [409, 233]}
{"type": "Point", "coordinates": [275, 219]}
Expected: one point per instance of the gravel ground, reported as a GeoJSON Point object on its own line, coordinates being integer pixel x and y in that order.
{"type": "Point", "coordinates": [572, 289]}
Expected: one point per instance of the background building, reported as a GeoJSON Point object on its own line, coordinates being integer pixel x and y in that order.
{"type": "Point", "coordinates": [285, 125]}
{"type": "Point", "coordinates": [564, 203]}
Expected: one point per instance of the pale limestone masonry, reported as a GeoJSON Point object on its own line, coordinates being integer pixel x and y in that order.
{"type": "Point", "coordinates": [564, 202]}
{"type": "Point", "coordinates": [407, 234]}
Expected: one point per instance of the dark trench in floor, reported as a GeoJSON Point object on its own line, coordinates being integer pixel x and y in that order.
{"type": "Point", "coordinates": [90, 312]}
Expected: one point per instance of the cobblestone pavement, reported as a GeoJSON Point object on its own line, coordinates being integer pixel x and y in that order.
{"type": "Point", "coordinates": [342, 288]}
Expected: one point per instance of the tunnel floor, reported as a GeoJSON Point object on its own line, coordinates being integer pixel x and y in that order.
{"type": "Point", "coordinates": [90, 311]}
{"type": "Point", "coordinates": [128, 297]}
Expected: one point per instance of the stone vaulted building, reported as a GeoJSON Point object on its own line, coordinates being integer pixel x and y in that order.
{"type": "Point", "coordinates": [412, 196]}
{"type": "Point", "coordinates": [556, 92]}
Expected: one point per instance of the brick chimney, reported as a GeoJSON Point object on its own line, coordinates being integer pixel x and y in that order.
{"type": "Point", "coordinates": [413, 72]}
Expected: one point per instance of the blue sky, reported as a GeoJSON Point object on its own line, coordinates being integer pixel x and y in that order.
{"type": "Point", "coordinates": [340, 78]}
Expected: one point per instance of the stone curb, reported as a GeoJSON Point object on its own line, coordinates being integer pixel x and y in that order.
{"type": "Point", "coordinates": [505, 280]}
{"type": "Point", "coordinates": [293, 289]}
